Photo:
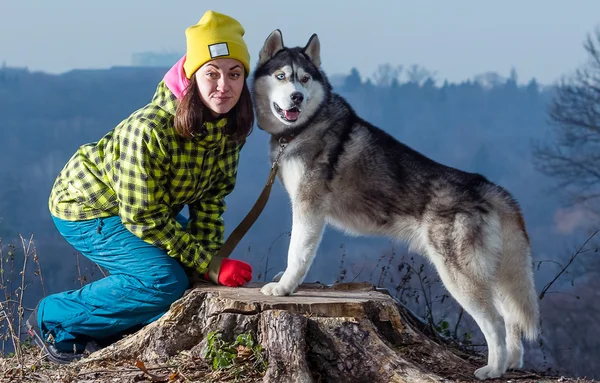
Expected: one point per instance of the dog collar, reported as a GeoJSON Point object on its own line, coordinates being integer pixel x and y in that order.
{"type": "Point", "coordinates": [286, 139]}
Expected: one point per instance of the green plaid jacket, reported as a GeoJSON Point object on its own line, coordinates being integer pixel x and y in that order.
{"type": "Point", "coordinates": [145, 173]}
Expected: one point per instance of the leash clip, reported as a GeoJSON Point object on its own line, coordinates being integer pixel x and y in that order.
{"type": "Point", "coordinates": [282, 145]}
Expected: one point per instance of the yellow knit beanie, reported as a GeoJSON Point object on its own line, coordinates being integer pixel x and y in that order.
{"type": "Point", "coordinates": [215, 36]}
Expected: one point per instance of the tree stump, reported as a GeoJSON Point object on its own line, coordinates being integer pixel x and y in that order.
{"type": "Point", "coordinates": [341, 333]}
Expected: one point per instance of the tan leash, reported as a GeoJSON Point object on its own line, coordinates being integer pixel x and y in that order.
{"type": "Point", "coordinates": [238, 233]}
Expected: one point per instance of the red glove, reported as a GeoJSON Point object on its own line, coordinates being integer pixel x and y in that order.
{"type": "Point", "coordinates": [234, 273]}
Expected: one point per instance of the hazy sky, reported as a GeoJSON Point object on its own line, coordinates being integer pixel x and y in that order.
{"type": "Point", "coordinates": [458, 39]}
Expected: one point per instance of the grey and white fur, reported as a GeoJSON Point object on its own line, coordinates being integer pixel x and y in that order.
{"type": "Point", "coordinates": [339, 169]}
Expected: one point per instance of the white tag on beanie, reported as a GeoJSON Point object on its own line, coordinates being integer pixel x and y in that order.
{"type": "Point", "coordinates": [220, 49]}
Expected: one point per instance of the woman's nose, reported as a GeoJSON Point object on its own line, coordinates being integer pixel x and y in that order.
{"type": "Point", "coordinates": [223, 85]}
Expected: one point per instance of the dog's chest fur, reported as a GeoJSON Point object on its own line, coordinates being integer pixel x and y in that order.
{"type": "Point", "coordinates": [293, 173]}
{"type": "Point", "coordinates": [303, 170]}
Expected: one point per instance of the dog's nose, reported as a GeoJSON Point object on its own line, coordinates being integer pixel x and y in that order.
{"type": "Point", "coordinates": [297, 97]}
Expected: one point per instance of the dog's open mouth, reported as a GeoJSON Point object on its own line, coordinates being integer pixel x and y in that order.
{"type": "Point", "coordinates": [288, 115]}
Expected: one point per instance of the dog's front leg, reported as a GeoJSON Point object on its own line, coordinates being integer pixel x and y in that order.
{"type": "Point", "coordinates": [307, 231]}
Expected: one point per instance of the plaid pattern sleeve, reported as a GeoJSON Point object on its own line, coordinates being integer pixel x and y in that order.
{"type": "Point", "coordinates": [147, 166]}
{"type": "Point", "coordinates": [206, 216]}
{"type": "Point", "coordinates": [140, 179]}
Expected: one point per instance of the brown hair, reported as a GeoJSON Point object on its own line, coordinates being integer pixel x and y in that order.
{"type": "Point", "coordinates": [191, 114]}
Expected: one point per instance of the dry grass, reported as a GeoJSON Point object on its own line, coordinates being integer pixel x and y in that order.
{"type": "Point", "coordinates": [183, 368]}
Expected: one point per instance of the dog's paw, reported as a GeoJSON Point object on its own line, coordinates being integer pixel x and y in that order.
{"type": "Point", "coordinates": [515, 361]}
{"type": "Point", "coordinates": [487, 372]}
{"type": "Point", "coordinates": [275, 288]}
{"type": "Point", "coordinates": [277, 277]}
{"type": "Point", "coordinates": [516, 365]}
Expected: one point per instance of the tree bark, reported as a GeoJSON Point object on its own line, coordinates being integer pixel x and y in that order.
{"type": "Point", "coordinates": [342, 333]}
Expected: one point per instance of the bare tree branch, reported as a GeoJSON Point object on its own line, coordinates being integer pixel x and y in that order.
{"type": "Point", "coordinates": [579, 251]}
{"type": "Point", "coordinates": [573, 158]}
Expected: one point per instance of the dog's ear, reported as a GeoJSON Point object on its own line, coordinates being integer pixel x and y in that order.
{"type": "Point", "coordinates": [313, 50]}
{"type": "Point", "coordinates": [273, 44]}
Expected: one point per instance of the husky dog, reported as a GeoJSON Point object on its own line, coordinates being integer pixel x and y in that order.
{"type": "Point", "coordinates": [341, 170]}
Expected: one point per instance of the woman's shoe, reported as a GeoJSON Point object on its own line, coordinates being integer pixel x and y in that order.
{"type": "Point", "coordinates": [54, 355]}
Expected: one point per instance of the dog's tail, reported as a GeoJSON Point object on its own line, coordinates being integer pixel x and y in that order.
{"type": "Point", "coordinates": [518, 298]}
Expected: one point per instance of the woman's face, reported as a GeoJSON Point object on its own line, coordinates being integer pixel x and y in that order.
{"type": "Point", "coordinates": [220, 83]}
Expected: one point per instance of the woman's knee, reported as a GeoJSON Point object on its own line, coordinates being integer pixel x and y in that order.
{"type": "Point", "coordinates": [171, 284]}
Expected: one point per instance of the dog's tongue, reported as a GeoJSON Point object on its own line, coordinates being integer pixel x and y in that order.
{"type": "Point", "coordinates": [292, 115]}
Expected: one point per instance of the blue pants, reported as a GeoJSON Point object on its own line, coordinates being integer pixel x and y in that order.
{"type": "Point", "coordinates": [143, 282]}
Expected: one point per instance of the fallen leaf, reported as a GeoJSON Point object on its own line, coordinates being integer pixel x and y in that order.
{"type": "Point", "coordinates": [243, 352]}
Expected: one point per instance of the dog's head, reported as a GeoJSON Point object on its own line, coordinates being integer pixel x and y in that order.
{"type": "Point", "coordinates": [289, 86]}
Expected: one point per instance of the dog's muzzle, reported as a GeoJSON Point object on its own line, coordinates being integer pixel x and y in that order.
{"type": "Point", "coordinates": [290, 115]}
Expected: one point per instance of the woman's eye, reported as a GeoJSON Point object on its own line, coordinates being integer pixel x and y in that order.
{"type": "Point", "coordinates": [235, 75]}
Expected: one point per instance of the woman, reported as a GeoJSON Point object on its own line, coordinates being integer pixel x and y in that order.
{"type": "Point", "coordinates": [118, 200]}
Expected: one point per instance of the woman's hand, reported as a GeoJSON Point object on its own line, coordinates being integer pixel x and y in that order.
{"type": "Point", "coordinates": [229, 272]}
{"type": "Point", "coordinates": [234, 273]}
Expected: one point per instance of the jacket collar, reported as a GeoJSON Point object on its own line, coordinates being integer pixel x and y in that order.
{"type": "Point", "coordinates": [165, 99]}
{"type": "Point", "coordinates": [212, 132]}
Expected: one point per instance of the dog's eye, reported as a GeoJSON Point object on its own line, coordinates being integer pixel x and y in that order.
{"type": "Point", "coordinates": [304, 79]}
{"type": "Point", "coordinates": [280, 76]}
